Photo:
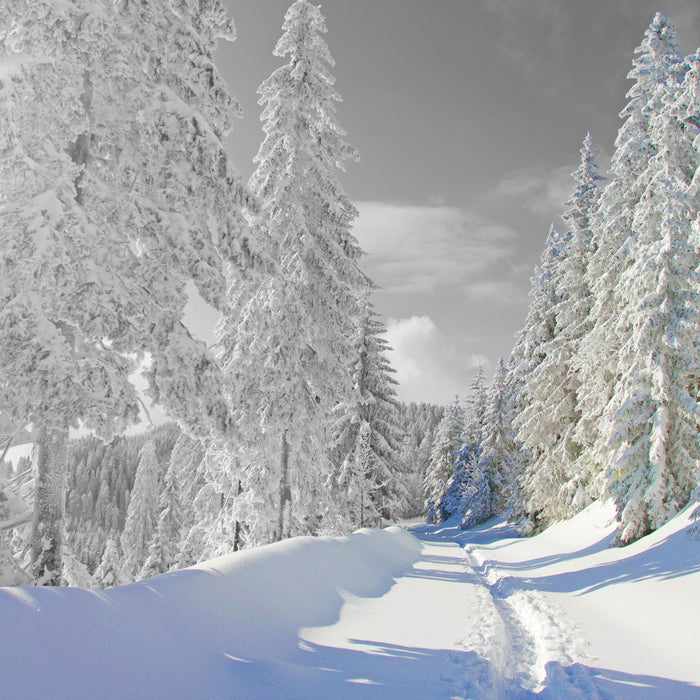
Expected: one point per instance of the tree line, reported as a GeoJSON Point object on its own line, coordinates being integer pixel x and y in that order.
{"type": "Point", "coordinates": [599, 397]}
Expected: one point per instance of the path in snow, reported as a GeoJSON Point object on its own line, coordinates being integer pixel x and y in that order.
{"type": "Point", "coordinates": [442, 631]}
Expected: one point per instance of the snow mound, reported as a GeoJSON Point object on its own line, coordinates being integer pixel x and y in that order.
{"type": "Point", "coordinates": [191, 633]}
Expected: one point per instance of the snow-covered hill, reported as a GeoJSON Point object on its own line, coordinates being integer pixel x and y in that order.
{"type": "Point", "coordinates": [379, 614]}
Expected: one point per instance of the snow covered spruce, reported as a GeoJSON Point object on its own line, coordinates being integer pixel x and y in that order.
{"type": "Point", "coordinates": [600, 396]}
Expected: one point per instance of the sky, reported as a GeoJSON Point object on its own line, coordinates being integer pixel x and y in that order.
{"type": "Point", "coordinates": [468, 116]}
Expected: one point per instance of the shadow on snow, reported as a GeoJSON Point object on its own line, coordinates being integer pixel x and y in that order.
{"type": "Point", "coordinates": [380, 671]}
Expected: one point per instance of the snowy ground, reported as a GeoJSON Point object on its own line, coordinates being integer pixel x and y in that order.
{"type": "Point", "coordinates": [378, 615]}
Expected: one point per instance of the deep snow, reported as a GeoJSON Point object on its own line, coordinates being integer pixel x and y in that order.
{"type": "Point", "coordinates": [476, 614]}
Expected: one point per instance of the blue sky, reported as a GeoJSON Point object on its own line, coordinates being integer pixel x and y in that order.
{"type": "Point", "coordinates": [469, 116]}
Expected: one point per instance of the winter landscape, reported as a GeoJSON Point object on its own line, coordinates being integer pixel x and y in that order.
{"type": "Point", "coordinates": [277, 422]}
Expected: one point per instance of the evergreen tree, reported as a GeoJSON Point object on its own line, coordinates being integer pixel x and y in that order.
{"type": "Point", "coordinates": [142, 516]}
{"type": "Point", "coordinates": [126, 197]}
{"type": "Point", "coordinates": [474, 496]}
{"type": "Point", "coordinates": [655, 68]}
{"type": "Point", "coordinates": [368, 431]}
{"type": "Point", "coordinates": [285, 345]}
{"type": "Point", "coordinates": [654, 429]}
{"type": "Point", "coordinates": [448, 441]}
{"type": "Point", "coordinates": [185, 461]}
{"type": "Point", "coordinates": [556, 480]}
{"type": "Point", "coordinates": [501, 454]}
{"type": "Point", "coordinates": [109, 573]}
{"type": "Point", "coordinates": [163, 550]}
{"type": "Point", "coordinates": [469, 454]}
{"type": "Point", "coordinates": [419, 424]}
{"type": "Point", "coordinates": [528, 354]}
{"type": "Point", "coordinates": [475, 414]}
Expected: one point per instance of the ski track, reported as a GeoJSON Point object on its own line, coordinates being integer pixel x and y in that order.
{"type": "Point", "coordinates": [471, 631]}
{"type": "Point", "coordinates": [533, 649]}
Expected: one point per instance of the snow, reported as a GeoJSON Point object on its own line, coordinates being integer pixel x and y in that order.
{"type": "Point", "coordinates": [16, 452]}
{"type": "Point", "coordinates": [380, 614]}
{"type": "Point", "coordinates": [226, 628]}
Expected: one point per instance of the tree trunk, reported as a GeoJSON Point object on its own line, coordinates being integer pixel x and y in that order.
{"type": "Point", "coordinates": [79, 151]}
{"type": "Point", "coordinates": [285, 489]}
{"type": "Point", "coordinates": [49, 506]}
{"type": "Point", "coordinates": [237, 529]}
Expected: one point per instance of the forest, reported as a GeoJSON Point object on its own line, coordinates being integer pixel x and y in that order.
{"type": "Point", "coordinates": [119, 202]}
{"type": "Point", "coordinates": [599, 398]}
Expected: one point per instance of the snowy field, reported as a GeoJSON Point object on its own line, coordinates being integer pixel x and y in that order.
{"type": "Point", "coordinates": [379, 614]}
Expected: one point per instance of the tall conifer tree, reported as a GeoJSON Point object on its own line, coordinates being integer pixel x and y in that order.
{"type": "Point", "coordinates": [654, 432]}
{"type": "Point", "coordinates": [556, 481]}
{"type": "Point", "coordinates": [367, 429]}
{"type": "Point", "coordinates": [654, 68]}
{"type": "Point", "coordinates": [286, 352]}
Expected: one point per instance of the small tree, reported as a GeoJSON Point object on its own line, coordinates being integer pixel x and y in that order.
{"type": "Point", "coordinates": [501, 454]}
{"type": "Point", "coordinates": [163, 550]}
{"type": "Point", "coordinates": [110, 573]}
{"type": "Point", "coordinates": [448, 441]}
{"type": "Point", "coordinates": [142, 515]}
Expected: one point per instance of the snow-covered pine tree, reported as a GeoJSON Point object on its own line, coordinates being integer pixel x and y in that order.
{"type": "Point", "coordinates": [220, 522]}
{"type": "Point", "coordinates": [142, 516]}
{"type": "Point", "coordinates": [109, 573]}
{"type": "Point", "coordinates": [475, 494]}
{"type": "Point", "coordinates": [448, 441]}
{"type": "Point", "coordinates": [470, 449]}
{"type": "Point", "coordinates": [475, 413]}
{"type": "Point", "coordinates": [185, 461]}
{"type": "Point", "coordinates": [655, 67]}
{"type": "Point", "coordinates": [527, 355]}
{"type": "Point", "coordinates": [500, 452]}
{"type": "Point", "coordinates": [122, 200]}
{"type": "Point", "coordinates": [286, 350]}
{"type": "Point", "coordinates": [366, 461]}
{"type": "Point", "coordinates": [557, 480]}
{"type": "Point", "coordinates": [654, 431]}
{"type": "Point", "coordinates": [163, 551]}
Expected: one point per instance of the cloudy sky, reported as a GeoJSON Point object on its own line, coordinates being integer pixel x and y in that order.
{"type": "Point", "coordinates": [469, 116]}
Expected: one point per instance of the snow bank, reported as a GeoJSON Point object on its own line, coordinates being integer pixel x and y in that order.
{"type": "Point", "coordinates": [191, 633]}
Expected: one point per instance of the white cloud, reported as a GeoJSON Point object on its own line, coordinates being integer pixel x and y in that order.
{"type": "Point", "coordinates": [423, 248]}
{"type": "Point", "coordinates": [540, 190]}
{"type": "Point", "coordinates": [500, 293]}
{"type": "Point", "coordinates": [428, 366]}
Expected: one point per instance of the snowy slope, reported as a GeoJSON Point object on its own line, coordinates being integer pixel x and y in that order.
{"type": "Point", "coordinates": [225, 629]}
{"type": "Point", "coordinates": [477, 614]}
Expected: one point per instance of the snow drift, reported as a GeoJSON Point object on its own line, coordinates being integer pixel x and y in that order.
{"type": "Point", "coordinates": [191, 633]}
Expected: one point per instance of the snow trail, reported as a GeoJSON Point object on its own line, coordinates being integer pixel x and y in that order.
{"type": "Point", "coordinates": [448, 629]}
